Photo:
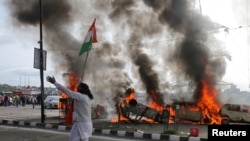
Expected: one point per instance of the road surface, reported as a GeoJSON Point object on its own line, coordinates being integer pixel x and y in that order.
{"type": "Point", "coordinates": [8, 133]}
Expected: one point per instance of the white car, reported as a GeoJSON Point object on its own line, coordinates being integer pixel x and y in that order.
{"type": "Point", "coordinates": [52, 102]}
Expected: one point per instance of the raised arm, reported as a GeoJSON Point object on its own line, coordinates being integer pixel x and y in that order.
{"type": "Point", "coordinates": [60, 87]}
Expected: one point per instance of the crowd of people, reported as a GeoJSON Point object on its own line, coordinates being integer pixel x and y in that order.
{"type": "Point", "coordinates": [20, 100]}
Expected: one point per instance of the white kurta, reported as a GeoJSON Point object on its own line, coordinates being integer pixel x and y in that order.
{"type": "Point", "coordinates": [82, 123]}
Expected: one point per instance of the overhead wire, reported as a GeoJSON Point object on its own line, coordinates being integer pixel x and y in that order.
{"type": "Point", "coordinates": [227, 32]}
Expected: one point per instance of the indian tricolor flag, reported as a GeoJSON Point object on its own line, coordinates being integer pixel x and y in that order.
{"type": "Point", "coordinates": [89, 39]}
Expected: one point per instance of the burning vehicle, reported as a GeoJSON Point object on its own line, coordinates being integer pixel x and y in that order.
{"type": "Point", "coordinates": [233, 113]}
{"type": "Point", "coordinates": [181, 111]}
{"type": "Point", "coordinates": [135, 111]}
{"type": "Point", "coordinates": [187, 111]}
{"type": "Point", "coordinates": [130, 110]}
{"type": "Point", "coordinates": [195, 111]}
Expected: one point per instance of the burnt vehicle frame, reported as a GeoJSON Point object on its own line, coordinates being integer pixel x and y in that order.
{"type": "Point", "coordinates": [136, 112]}
{"type": "Point", "coordinates": [235, 113]}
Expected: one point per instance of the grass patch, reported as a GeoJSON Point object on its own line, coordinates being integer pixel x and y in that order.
{"type": "Point", "coordinates": [173, 132]}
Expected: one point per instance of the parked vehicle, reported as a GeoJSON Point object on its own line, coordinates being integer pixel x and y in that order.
{"type": "Point", "coordinates": [52, 102]}
{"type": "Point", "coordinates": [235, 113]}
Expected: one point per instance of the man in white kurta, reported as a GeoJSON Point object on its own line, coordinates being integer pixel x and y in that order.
{"type": "Point", "coordinates": [82, 123]}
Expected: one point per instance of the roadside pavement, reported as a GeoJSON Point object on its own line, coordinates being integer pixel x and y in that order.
{"type": "Point", "coordinates": [29, 117]}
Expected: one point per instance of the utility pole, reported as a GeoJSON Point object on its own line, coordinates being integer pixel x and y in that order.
{"type": "Point", "coordinates": [41, 61]}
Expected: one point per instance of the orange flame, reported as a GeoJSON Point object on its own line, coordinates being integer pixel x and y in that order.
{"type": "Point", "coordinates": [120, 117]}
{"type": "Point", "coordinates": [208, 104]}
{"type": "Point", "coordinates": [155, 104]}
{"type": "Point", "coordinates": [114, 119]}
{"type": "Point", "coordinates": [73, 83]}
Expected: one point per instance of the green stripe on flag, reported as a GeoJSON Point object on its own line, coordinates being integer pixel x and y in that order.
{"type": "Point", "coordinates": [86, 46]}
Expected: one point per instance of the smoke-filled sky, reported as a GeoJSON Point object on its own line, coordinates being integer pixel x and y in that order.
{"type": "Point", "coordinates": [147, 45]}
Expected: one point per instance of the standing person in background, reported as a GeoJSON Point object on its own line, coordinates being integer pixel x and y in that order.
{"type": "Point", "coordinates": [33, 101]}
{"type": "Point", "coordinates": [23, 100]}
{"type": "Point", "coordinates": [17, 99]}
{"type": "Point", "coordinates": [82, 121]}
{"type": "Point", "coordinates": [6, 100]}
{"type": "Point", "coordinates": [39, 99]}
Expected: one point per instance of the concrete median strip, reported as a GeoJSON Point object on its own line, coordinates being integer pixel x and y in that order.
{"type": "Point", "coordinates": [102, 131]}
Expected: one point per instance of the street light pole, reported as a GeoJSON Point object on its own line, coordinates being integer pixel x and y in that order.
{"type": "Point", "coordinates": [41, 61]}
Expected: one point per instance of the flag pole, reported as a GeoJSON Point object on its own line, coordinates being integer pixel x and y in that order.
{"type": "Point", "coordinates": [84, 66]}
{"type": "Point", "coordinates": [86, 46]}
